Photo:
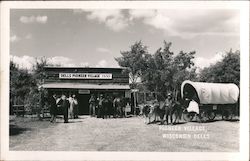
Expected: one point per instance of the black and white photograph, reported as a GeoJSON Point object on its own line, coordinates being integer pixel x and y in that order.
{"type": "Point", "coordinates": [133, 79]}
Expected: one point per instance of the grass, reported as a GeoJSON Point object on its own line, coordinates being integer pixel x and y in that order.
{"type": "Point", "coordinates": [121, 134]}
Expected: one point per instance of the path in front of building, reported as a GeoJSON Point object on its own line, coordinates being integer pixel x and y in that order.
{"type": "Point", "coordinates": [123, 134]}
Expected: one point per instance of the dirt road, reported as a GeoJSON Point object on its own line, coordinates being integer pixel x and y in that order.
{"type": "Point", "coordinates": [123, 134]}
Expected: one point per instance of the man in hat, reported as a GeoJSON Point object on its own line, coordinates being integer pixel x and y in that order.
{"type": "Point", "coordinates": [100, 106]}
{"type": "Point", "coordinates": [75, 106]}
{"type": "Point", "coordinates": [115, 107]}
{"type": "Point", "coordinates": [64, 104]}
{"type": "Point", "coordinates": [118, 106]}
{"type": "Point", "coordinates": [169, 107]}
{"type": "Point", "coordinates": [105, 107]}
{"type": "Point", "coordinates": [92, 104]}
{"type": "Point", "coordinates": [53, 108]}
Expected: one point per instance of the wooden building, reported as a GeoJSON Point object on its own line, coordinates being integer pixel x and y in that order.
{"type": "Point", "coordinates": [86, 81]}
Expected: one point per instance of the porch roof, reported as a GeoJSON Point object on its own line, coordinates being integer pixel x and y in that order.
{"type": "Point", "coordinates": [85, 86]}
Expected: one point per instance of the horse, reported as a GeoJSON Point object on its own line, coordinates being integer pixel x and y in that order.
{"type": "Point", "coordinates": [173, 109]}
{"type": "Point", "coordinates": [159, 109]}
{"type": "Point", "coordinates": [146, 112]}
{"type": "Point", "coordinates": [155, 111]}
{"type": "Point", "coordinates": [177, 111]}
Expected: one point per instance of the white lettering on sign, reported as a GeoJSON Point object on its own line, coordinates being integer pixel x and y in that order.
{"type": "Point", "coordinates": [85, 75]}
{"type": "Point", "coordinates": [83, 91]}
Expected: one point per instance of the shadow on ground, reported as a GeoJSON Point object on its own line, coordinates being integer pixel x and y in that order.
{"type": "Point", "coordinates": [159, 123]}
{"type": "Point", "coordinates": [73, 122]}
{"type": "Point", "coordinates": [179, 123]}
{"type": "Point", "coordinates": [16, 130]}
{"type": "Point", "coordinates": [233, 120]}
{"type": "Point", "coordinates": [212, 121]}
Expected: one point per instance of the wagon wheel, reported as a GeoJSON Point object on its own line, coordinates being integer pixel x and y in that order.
{"type": "Point", "coordinates": [230, 116]}
{"type": "Point", "coordinates": [224, 115]}
{"type": "Point", "coordinates": [211, 115]}
{"type": "Point", "coordinates": [203, 116]}
{"type": "Point", "coordinates": [188, 116]}
{"type": "Point", "coordinates": [227, 115]}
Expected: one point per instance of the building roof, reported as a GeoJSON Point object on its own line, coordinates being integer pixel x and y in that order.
{"type": "Point", "coordinates": [60, 67]}
{"type": "Point", "coordinates": [85, 86]}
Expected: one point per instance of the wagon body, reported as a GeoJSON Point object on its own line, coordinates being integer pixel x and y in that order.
{"type": "Point", "coordinates": [212, 97]}
{"type": "Point", "coordinates": [212, 93]}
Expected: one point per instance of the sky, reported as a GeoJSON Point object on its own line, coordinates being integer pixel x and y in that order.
{"type": "Point", "coordinates": [77, 37]}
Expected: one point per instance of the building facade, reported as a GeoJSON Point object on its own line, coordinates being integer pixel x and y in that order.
{"type": "Point", "coordinates": [83, 82]}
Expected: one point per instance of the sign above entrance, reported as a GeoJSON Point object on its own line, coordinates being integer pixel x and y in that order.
{"type": "Point", "coordinates": [85, 75]}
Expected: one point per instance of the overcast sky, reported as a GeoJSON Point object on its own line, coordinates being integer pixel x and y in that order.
{"type": "Point", "coordinates": [95, 37]}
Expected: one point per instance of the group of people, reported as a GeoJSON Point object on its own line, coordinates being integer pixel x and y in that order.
{"type": "Point", "coordinates": [105, 106]}
{"type": "Point", "coordinates": [68, 106]}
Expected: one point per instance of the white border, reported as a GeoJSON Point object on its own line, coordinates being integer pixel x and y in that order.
{"type": "Point", "coordinates": [42, 155]}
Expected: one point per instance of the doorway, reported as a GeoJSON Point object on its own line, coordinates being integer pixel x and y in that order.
{"type": "Point", "coordinates": [83, 104]}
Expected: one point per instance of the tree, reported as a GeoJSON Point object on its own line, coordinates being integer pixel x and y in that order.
{"type": "Point", "coordinates": [39, 69]}
{"type": "Point", "coordinates": [134, 60]}
{"type": "Point", "coordinates": [225, 71]}
{"type": "Point", "coordinates": [37, 97]}
{"type": "Point", "coordinates": [24, 84]}
{"type": "Point", "coordinates": [21, 81]}
{"type": "Point", "coordinates": [165, 72]}
{"type": "Point", "coordinates": [183, 69]}
{"type": "Point", "coordinates": [158, 70]}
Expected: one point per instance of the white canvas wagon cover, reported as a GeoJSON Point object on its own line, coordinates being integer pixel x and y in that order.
{"type": "Point", "coordinates": [213, 93]}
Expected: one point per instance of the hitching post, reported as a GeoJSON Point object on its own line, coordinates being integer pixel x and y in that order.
{"type": "Point", "coordinates": [134, 104]}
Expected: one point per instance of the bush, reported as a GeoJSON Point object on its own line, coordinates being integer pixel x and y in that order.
{"type": "Point", "coordinates": [32, 101]}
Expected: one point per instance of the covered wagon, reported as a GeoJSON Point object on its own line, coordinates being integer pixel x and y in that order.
{"type": "Point", "coordinates": [212, 98]}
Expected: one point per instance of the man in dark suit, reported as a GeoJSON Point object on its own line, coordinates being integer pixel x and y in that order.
{"type": "Point", "coordinates": [53, 108]}
{"type": "Point", "coordinates": [105, 107]}
{"type": "Point", "coordinates": [101, 106]}
{"type": "Point", "coordinates": [64, 104]}
{"type": "Point", "coordinates": [109, 106]}
{"type": "Point", "coordinates": [92, 102]}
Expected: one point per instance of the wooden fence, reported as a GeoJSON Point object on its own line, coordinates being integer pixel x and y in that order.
{"type": "Point", "coordinates": [20, 110]}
